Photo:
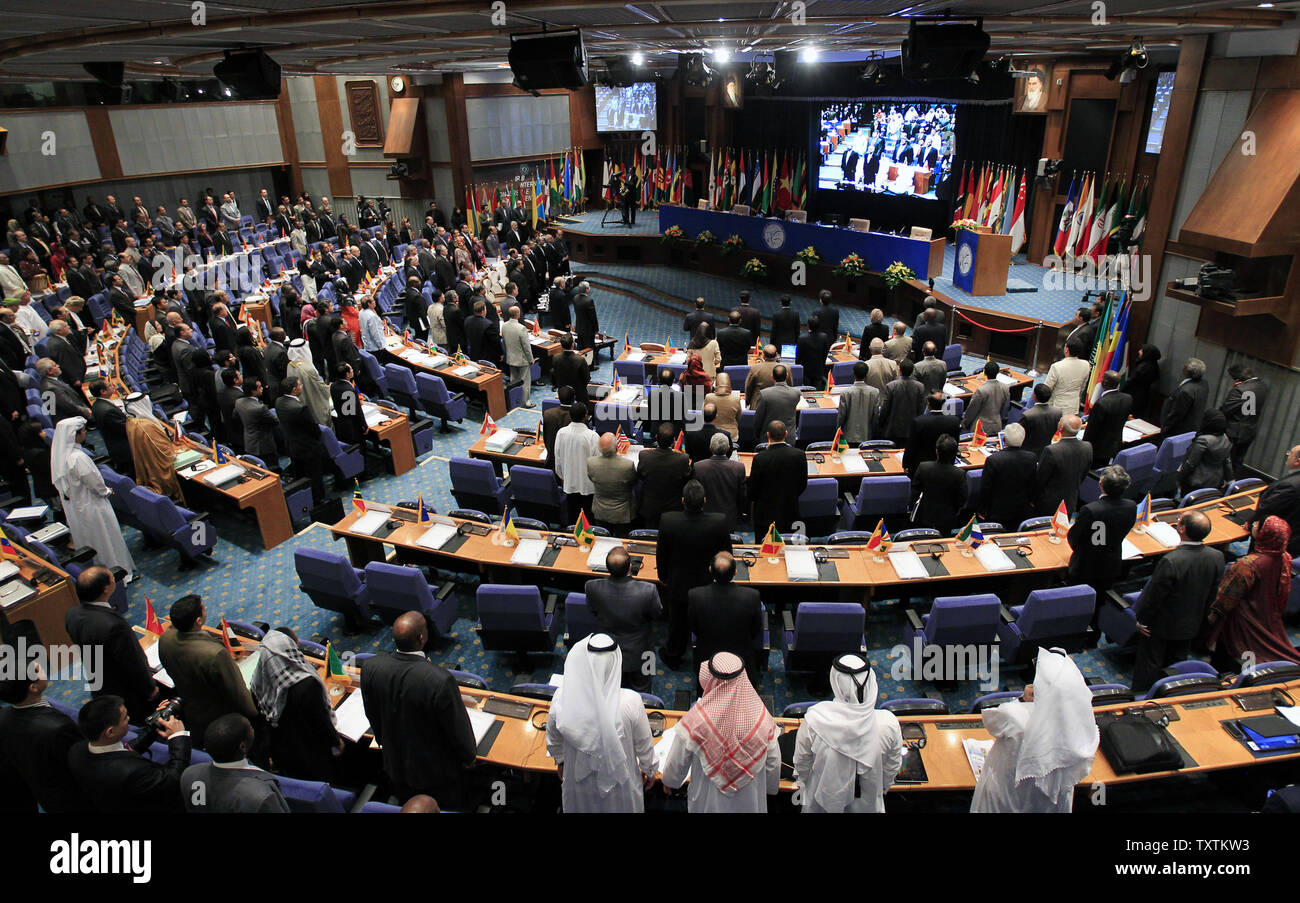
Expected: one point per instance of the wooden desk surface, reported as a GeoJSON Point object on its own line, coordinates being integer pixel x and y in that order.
{"type": "Point", "coordinates": [396, 431]}
{"type": "Point", "coordinates": [490, 382]}
{"type": "Point", "coordinates": [54, 597]}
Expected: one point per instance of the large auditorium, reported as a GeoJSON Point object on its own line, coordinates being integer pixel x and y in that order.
{"type": "Point", "coordinates": [547, 407]}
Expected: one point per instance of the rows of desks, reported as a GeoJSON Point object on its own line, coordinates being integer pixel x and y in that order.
{"type": "Point", "coordinates": [1195, 722]}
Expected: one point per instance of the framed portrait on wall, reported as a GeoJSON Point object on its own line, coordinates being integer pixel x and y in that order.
{"type": "Point", "coordinates": [733, 91]}
{"type": "Point", "coordinates": [1031, 91]}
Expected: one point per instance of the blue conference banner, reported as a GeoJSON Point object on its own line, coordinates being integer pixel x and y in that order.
{"type": "Point", "coordinates": [878, 249]}
{"type": "Point", "coordinates": [963, 263]}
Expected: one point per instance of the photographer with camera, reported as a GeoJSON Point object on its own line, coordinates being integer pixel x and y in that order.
{"type": "Point", "coordinates": [116, 778]}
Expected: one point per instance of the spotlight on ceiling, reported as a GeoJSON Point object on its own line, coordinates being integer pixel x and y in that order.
{"type": "Point", "coordinates": [809, 54]}
{"type": "Point", "coordinates": [1126, 64]}
{"type": "Point", "coordinates": [721, 55]}
{"type": "Point", "coordinates": [638, 58]}
{"type": "Point", "coordinates": [763, 75]}
{"type": "Point", "coordinates": [697, 72]}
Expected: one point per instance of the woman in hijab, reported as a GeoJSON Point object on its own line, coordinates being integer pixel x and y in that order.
{"type": "Point", "coordinates": [460, 255]}
{"type": "Point", "coordinates": [694, 374]}
{"type": "Point", "coordinates": [1042, 746]}
{"type": "Point", "coordinates": [86, 508]}
{"type": "Point", "coordinates": [1142, 379]}
{"type": "Point", "coordinates": [726, 744]}
{"type": "Point", "coordinates": [728, 404]}
{"type": "Point", "coordinates": [1207, 463]}
{"type": "Point", "coordinates": [707, 348]}
{"type": "Point", "coordinates": [252, 362]}
{"type": "Point", "coordinates": [598, 734]}
{"type": "Point", "coordinates": [847, 753]}
{"type": "Point", "coordinates": [292, 697]}
{"type": "Point", "coordinates": [351, 319]}
{"type": "Point", "coordinates": [1246, 616]}
{"type": "Point", "coordinates": [152, 449]}
{"type": "Point", "coordinates": [315, 393]}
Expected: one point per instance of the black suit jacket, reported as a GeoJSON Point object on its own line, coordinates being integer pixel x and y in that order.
{"type": "Point", "coordinates": [697, 442]}
{"type": "Point", "coordinates": [1105, 430]}
{"type": "Point", "coordinates": [445, 272]}
{"type": "Point", "coordinates": [73, 365]}
{"type": "Point", "coordinates": [751, 319]}
{"type": "Point", "coordinates": [734, 343]}
{"type": "Point", "coordinates": [685, 549]}
{"type": "Point", "coordinates": [568, 368]}
{"type": "Point", "coordinates": [724, 617]}
{"type": "Point", "coordinates": [692, 321]}
{"type": "Point", "coordinates": [626, 608]}
{"type": "Point", "coordinates": [350, 428]}
{"type": "Point", "coordinates": [1005, 496]}
{"type": "Point", "coordinates": [663, 473]}
{"type": "Point", "coordinates": [777, 477]}
{"type": "Point", "coordinates": [127, 781]}
{"type": "Point", "coordinates": [810, 353]}
{"type": "Point", "coordinates": [926, 430]}
{"type": "Point", "coordinates": [923, 334]}
{"type": "Point", "coordinates": [1174, 601]}
{"type": "Point", "coordinates": [1282, 498]}
{"type": "Point", "coordinates": [785, 328]}
{"type": "Point", "coordinates": [828, 321]}
{"type": "Point", "coordinates": [1184, 408]}
{"type": "Point", "coordinates": [1040, 422]}
{"type": "Point", "coordinates": [416, 714]}
{"type": "Point", "coordinates": [1061, 468]}
{"type": "Point", "coordinates": [12, 350]}
{"type": "Point", "coordinates": [484, 340]}
{"type": "Point", "coordinates": [585, 322]}
{"type": "Point", "coordinates": [34, 746]}
{"type": "Point", "coordinates": [301, 431]}
{"type": "Point", "coordinates": [222, 332]}
{"type": "Point", "coordinates": [1097, 557]}
{"type": "Point", "coordinates": [125, 670]}
{"type": "Point", "coordinates": [553, 420]}
{"type": "Point", "coordinates": [942, 489]}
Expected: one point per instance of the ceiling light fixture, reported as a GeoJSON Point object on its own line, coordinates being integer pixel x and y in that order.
{"type": "Point", "coordinates": [638, 58]}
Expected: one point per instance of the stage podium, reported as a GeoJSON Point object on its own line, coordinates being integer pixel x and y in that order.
{"type": "Point", "coordinates": [981, 263]}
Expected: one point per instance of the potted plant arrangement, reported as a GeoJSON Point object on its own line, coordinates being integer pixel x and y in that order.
{"type": "Point", "coordinates": [705, 238]}
{"type": "Point", "coordinates": [960, 224]}
{"type": "Point", "coordinates": [895, 275]}
{"type": "Point", "coordinates": [852, 268]}
{"type": "Point", "coordinates": [809, 256]}
{"type": "Point", "coordinates": [754, 269]}
{"type": "Point", "coordinates": [673, 234]}
{"type": "Point", "coordinates": [733, 244]}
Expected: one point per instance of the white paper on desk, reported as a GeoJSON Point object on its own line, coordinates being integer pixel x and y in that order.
{"type": "Point", "coordinates": [557, 681]}
{"type": "Point", "coordinates": [853, 463]}
{"type": "Point", "coordinates": [351, 717]}
{"type": "Point", "coordinates": [599, 550]}
{"type": "Point", "coordinates": [500, 440]}
{"type": "Point", "coordinates": [907, 565]}
{"type": "Point", "coordinates": [410, 354]}
{"type": "Point", "coordinates": [993, 558]}
{"type": "Point", "coordinates": [438, 361]}
{"type": "Point", "coordinates": [976, 752]}
{"type": "Point", "coordinates": [480, 723]}
{"type": "Point", "coordinates": [374, 413]}
{"type": "Point", "coordinates": [803, 403]}
{"type": "Point", "coordinates": [635, 356]}
{"type": "Point", "coordinates": [466, 371]}
{"type": "Point", "coordinates": [369, 522]}
{"type": "Point", "coordinates": [542, 455]}
{"type": "Point", "coordinates": [625, 395]}
{"type": "Point", "coordinates": [677, 358]}
{"type": "Point", "coordinates": [1131, 551]}
{"type": "Point", "coordinates": [1163, 533]}
{"type": "Point", "coordinates": [223, 474]}
{"type": "Point", "coordinates": [633, 454]}
{"type": "Point", "coordinates": [155, 665]}
{"type": "Point", "coordinates": [1290, 713]}
{"type": "Point", "coordinates": [800, 564]}
{"type": "Point", "coordinates": [436, 536]}
{"type": "Point", "coordinates": [1006, 379]}
{"type": "Point", "coordinates": [529, 552]}
{"type": "Point", "coordinates": [8, 570]}
{"type": "Point", "coordinates": [840, 390]}
{"type": "Point", "coordinates": [950, 389]}
{"type": "Point", "coordinates": [1131, 435]}
{"type": "Point", "coordinates": [1142, 426]}
{"type": "Point", "coordinates": [31, 512]}
{"type": "Point", "coordinates": [664, 748]}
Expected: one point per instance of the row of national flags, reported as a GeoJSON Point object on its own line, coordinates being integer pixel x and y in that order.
{"type": "Point", "coordinates": [766, 181]}
{"type": "Point", "coordinates": [663, 176]}
{"type": "Point", "coordinates": [1093, 212]}
{"type": "Point", "coordinates": [1111, 349]}
{"type": "Point", "coordinates": [557, 185]}
{"type": "Point", "coordinates": [990, 196]}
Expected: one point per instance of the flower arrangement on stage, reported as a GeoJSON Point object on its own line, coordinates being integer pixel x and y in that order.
{"type": "Point", "coordinates": [898, 272]}
{"type": "Point", "coordinates": [964, 224]}
{"type": "Point", "coordinates": [674, 234]}
{"type": "Point", "coordinates": [705, 238]}
{"type": "Point", "coordinates": [809, 256]}
{"type": "Point", "coordinates": [733, 244]}
{"type": "Point", "coordinates": [754, 268]}
{"type": "Point", "coordinates": [853, 266]}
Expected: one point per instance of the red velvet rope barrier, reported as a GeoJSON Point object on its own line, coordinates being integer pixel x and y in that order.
{"type": "Point", "coordinates": [990, 328]}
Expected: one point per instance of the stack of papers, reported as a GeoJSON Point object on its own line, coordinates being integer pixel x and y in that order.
{"type": "Point", "coordinates": [599, 550]}
{"type": "Point", "coordinates": [466, 371]}
{"type": "Point", "coordinates": [436, 536]}
{"type": "Point", "coordinates": [1131, 551]}
{"type": "Point", "coordinates": [1006, 379]}
{"type": "Point", "coordinates": [351, 717]}
{"type": "Point", "coordinates": [625, 395]}
{"type": "Point", "coordinates": [853, 463]}
{"type": "Point", "coordinates": [155, 665]}
{"type": "Point", "coordinates": [529, 552]}
{"type": "Point", "coordinates": [480, 722]}
{"type": "Point", "coordinates": [1163, 533]}
{"type": "Point", "coordinates": [635, 355]}
{"type": "Point", "coordinates": [950, 389]}
{"type": "Point", "coordinates": [800, 564]}
{"type": "Point", "coordinates": [677, 358]}
{"type": "Point", "coordinates": [8, 570]}
{"type": "Point", "coordinates": [993, 558]}
{"type": "Point", "coordinates": [31, 512]}
{"type": "Point", "coordinates": [907, 565]}
{"type": "Point", "coordinates": [374, 414]}
{"type": "Point", "coordinates": [222, 474]}
{"type": "Point", "coordinates": [369, 522]}
{"type": "Point", "coordinates": [500, 440]}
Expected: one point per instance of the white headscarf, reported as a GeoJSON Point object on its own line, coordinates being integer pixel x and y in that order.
{"type": "Point", "coordinates": [848, 725]}
{"type": "Point", "coordinates": [299, 352]}
{"type": "Point", "coordinates": [63, 446]}
{"type": "Point", "coordinates": [585, 710]}
{"type": "Point", "coordinates": [139, 405]}
{"type": "Point", "coordinates": [281, 666]}
{"type": "Point", "coordinates": [1061, 737]}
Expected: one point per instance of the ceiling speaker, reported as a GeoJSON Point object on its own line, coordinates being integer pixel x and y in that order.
{"type": "Point", "coordinates": [249, 73]}
{"type": "Point", "coordinates": [948, 50]}
{"type": "Point", "coordinates": [548, 60]}
{"type": "Point", "coordinates": [108, 73]}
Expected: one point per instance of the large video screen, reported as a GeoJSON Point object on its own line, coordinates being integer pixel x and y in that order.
{"type": "Point", "coordinates": [887, 147]}
{"type": "Point", "coordinates": [626, 108]}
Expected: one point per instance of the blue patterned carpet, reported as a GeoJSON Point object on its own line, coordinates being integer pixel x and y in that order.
{"type": "Point", "coordinates": [247, 583]}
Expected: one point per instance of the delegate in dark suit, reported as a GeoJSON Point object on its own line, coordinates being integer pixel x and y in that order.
{"type": "Point", "coordinates": [484, 340]}
{"type": "Point", "coordinates": [1105, 429]}
{"type": "Point", "coordinates": [110, 420]}
{"type": "Point", "coordinates": [942, 489]}
{"type": "Point", "coordinates": [734, 343]}
{"type": "Point", "coordinates": [777, 477]}
{"type": "Point", "coordinates": [752, 320]}
{"type": "Point", "coordinates": [349, 418]}
{"type": "Point", "coordinates": [663, 473]}
{"type": "Point", "coordinates": [228, 790]}
{"type": "Point", "coordinates": [810, 353]}
{"type": "Point", "coordinates": [900, 405]}
{"type": "Point", "coordinates": [1184, 408]}
{"type": "Point", "coordinates": [1172, 607]}
{"type": "Point", "coordinates": [1040, 422]}
{"type": "Point", "coordinates": [70, 361]}
{"type": "Point", "coordinates": [416, 714]}
{"type": "Point", "coordinates": [124, 670]}
{"type": "Point", "coordinates": [1282, 498]}
{"type": "Point", "coordinates": [568, 368]}
{"type": "Point", "coordinates": [1005, 496]}
{"type": "Point", "coordinates": [585, 322]}
{"type": "Point", "coordinates": [779, 402]}
{"type": "Point", "coordinates": [724, 487]}
{"type": "Point", "coordinates": [1097, 540]}
{"type": "Point", "coordinates": [553, 420]}
{"type": "Point", "coordinates": [724, 617]}
{"type": "Point", "coordinates": [926, 430]}
{"type": "Point", "coordinates": [785, 328]}
{"type": "Point", "coordinates": [695, 318]}
{"type": "Point", "coordinates": [687, 542]}
{"type": "Point", "coordinates": [127, 781]}
{"type": "Point", "coordinates": [626, 608]}
{"type": "Point", "coordinates": [34, 744]}
{"type": "Point", "coordinates": [1061, 468]}
{"type": "Point", "coordinates": [303, 437]}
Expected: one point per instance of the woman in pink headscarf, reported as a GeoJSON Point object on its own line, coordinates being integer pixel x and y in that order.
{"type": "Point", "coordinates": [1246, 617]}
{"type": "Point", "coordinates": [726, 744]}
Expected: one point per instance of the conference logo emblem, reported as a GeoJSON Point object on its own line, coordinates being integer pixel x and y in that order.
{"type": "Point", "coordinates": [774, 236]}
{"type": "Point", "coordinates": [964, 259]}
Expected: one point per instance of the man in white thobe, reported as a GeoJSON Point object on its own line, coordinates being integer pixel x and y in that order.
{"type": "Point", "coordinates": [848, 753]}
{"type": "Point", "coordinates": [598, 734]}
{"type": "Point", "coordinates": [86, 507]}
{"type": "Point", "coordinates": [726, 744]}
{"type": "Point", "coordinates": [1042, 746]}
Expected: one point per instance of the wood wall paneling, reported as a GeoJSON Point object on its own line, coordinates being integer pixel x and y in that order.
{"type": "Point", "coordinates": [101, 135]}
{"type": "Point", "coordinates": [331, 123]}
{"type": "Point", "coordinates": [288, 138]}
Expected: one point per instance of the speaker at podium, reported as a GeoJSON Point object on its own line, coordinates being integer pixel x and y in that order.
{"type": "Point", "coordinates": [981, 263]}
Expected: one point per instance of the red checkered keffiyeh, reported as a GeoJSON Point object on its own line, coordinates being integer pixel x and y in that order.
{"type": "Point", "coordinates": [729, 723]}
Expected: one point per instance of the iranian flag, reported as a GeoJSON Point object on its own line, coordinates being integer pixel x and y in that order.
{"type": "Point", "coordinates": [740, 179]}
{"type": "Point", "coordinates": [1018, 218]}
{"type": "Point", "coordinates": [1097, 235]}
{"type": "Point", "coordinates": [995, 201]}
{"type": "Point", "coordinates": [1063, 227]}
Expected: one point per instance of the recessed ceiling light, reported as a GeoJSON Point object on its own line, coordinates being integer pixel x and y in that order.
{"type": "Point", "coordinates": [638, 58]}
{"type": "Point", "coordinates": [721, 54]}
{"type": "Point", "coordinates": [809, 54]}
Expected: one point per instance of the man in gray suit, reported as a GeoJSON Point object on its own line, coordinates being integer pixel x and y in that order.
{"type": "Point", "coordinates": [899, 345]}
{"type": "Point", "coordinates": [930, 370]}
{"type": "Point", "coordinates": [1040, 420]}
{"type": "Point", "coordinates": [881, 371]}
{"type": "Point", "coordinates": [859, 407]}
{"type": "Point", "coordinates": [259, 425]}
{"type": "Point", "coordinates": [58, 347]}
{"type": "Point", "coordinates": [613, 477]}
{"type": "Point", "coordinates": [59, 399]}
{"type": "Point", "coordinates": [519, 353]}
{"type": "Point", "coordinates": [723, 480]}
{"type": "Point", "coordinates": [228, 783]}
{"type": "Point", "coordinates": [987, 403]}
{"type": "Point", "coordinates": [777, 402]}
{"type": "Point", "coordinates": [900, 404]}
{"type": "Point", "coordinates": [760, 375]}
{"type": "Point", "coordinates": [626, 609]}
